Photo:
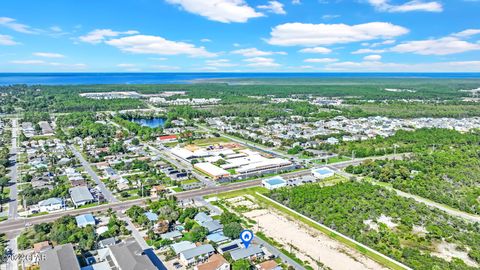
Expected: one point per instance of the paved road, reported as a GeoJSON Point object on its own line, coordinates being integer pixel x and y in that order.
{"type": "Point", "coordinates": [13, 204]}
{"type": "Point", "coordinates": [12, 264]}
{"type": "Point", "coordinates": [135, 232]}
{"type": "Point", "coordinates": [19, 224]}
{"type": "Point", "coordinates": [105, 191]}
{"type": "Point", "coordinates": [278, 253]}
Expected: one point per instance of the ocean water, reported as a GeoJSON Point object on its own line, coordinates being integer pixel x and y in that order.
{"type": "Point", "coordinates": [185, 78]}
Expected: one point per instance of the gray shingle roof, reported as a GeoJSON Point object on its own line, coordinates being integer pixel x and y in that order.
{"type": "Point", "coordinates": [212, 226]}
{"type": "Point", "coordinates": [129, 255]}
{"type": "Point", "coordinates": [80, 194]}
{"type": "Point", "coordinates": [60, 258]}
{"type": "Point", "coordinates": [246, 252]}
{"type": "Point", "coordinates": [197, 251]}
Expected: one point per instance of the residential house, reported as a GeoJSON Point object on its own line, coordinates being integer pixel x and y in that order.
{"type": "Point", "coordinates": [215, 262]}
{"type": "Point", "coordinates": [268, 265]}
{"type": "Point", "coordinates": [182, 246]}
{"type": "Point", "coordinates": [217, 238]}
{"type": "Point", "coordinates": [85, 220]}
{"type": "Point", "coordinates": [41, 246]}
{"type": "Point", "coordinates": [174, 235]}
{"type": "Point", "coordinates": [80, 195]}
{"type": "Point", "coordinates": [51, 204]}
{"type": "Point", "coordinates": [60, 258]}
{"type": "Point", "coordinates": [106, 242]}
{"type": "Point", "coordinates": [252, 252]}
{"type": "Point", "coordinates": [155, 191]}
{"type": "Point", "coordinates": [126, 255]}
{"type": "Point", "coordinates": [196, 255]}
{"type": "Point", "coordinates": [230, 246]}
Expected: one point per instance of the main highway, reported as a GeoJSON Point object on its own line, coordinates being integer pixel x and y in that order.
{"type": "Point", "coordinates": [12, 226]}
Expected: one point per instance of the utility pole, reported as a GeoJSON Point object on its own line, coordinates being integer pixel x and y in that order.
{"type": "Point", "coordinates": [353, 154]}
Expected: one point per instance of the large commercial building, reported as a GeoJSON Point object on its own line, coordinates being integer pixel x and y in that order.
{"type": "Point", "coordinates": [211, 170]}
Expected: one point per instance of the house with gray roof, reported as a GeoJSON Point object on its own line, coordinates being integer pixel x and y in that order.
{"type": "Point", "coordinates": [182, 246]}
{"type": "Point", "coordinates": [253, 251]}
{"type": "Point", "coordinates": [50, 204]}
{"type": "Point", "coordinates": [196, 255]}
{"type": "Point", "coordinates": [60, 258]}
{"type": "Point", "coordinates": [171, 235]}
{"type": "Point", "coordinates": [125, 255]}
{"type": "Point", "coordinates": [80, 195]}
{"type": "Point", "coordinates": [213, 226]}
{"type": "Point", "coordinates": [202, 217]}
{"type": "Point", "coordinates": [106, 242]}
{"type": "Point", "coordinates": [230, 246]}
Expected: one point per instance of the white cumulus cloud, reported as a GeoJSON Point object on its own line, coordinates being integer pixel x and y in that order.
{"type": "Point", "coordinates": [145, 44]}
{"type": "Point", "coordinates": [12, 24]}
{"type": "Point", "coordinates": [320, 60]}
{"type": "Point", "coordinates": [373, 57]}
{"type": "Point", "coordinates": [467, 33]}
{"type": "Point", "coordinates": [441, 46]}
{"type": "Point", "coordinates": [459, 66]}
{"type": "Point", "coordinates": [253, 52]}
{"type": "Point", "coordinates": [48, 55]}
{"type": "Point", "coordinates": [219, 63]}
{"type": "Point", "coordinates": [225, 11]}
{"type": "Point", "coordinates": [321, 50]}
{"type": "Point", "coordinates": [365, 51]}
{"type": "Point", "coordinates": [100, 35]}
{"type": "Point", "coordinates": [7, 40]}
{"type": "Point", "coordinates": [414, 5]}
{"type": "Point", "coordinates": [274, 7]}
{"type": "Point", "coordinates": [261, 62]}
{"type": "Point", "coordinates": [304, 34]}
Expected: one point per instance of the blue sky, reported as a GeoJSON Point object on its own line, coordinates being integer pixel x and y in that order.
{"type": "Point", "coordinates": [239, 35]}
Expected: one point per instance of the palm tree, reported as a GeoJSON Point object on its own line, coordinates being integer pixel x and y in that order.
{"type": "Point", "coordinates": [3, 182]}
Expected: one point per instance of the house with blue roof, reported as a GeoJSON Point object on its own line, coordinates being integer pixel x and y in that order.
{"type": "Point", "coordinates": [85, 220]}
{"type": "Point", "coordinates": [217, 238]}
{"type": "Point", "coordinates": [151, 216]}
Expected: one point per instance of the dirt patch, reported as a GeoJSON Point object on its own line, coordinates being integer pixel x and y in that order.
{"type": "Point", "coordinates": [308, 244]}
{"type": "Point", "coordinates": [448, 251]}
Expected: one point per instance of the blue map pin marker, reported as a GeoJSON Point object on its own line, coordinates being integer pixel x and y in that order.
{"type": "Point", "coordinates": [246, 236]}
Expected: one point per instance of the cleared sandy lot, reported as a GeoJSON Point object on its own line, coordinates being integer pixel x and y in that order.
{"type": "Point", "coordinates": [308, 244]}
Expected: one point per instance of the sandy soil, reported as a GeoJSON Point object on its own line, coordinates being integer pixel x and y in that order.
{"type": "Point", "coordinates": [448, 251]}
{"type": "Point", "coordinates": [309, 244]}
{"type": "Point", "coordinates": [387, 221]}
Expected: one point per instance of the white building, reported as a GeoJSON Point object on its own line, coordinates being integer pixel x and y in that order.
{"type": "Point", "coordinates": [322, 173]}
{"type": "Point", "coordinates": [51, 204]}
{"type": "Point", "coordinates": [275, 182]}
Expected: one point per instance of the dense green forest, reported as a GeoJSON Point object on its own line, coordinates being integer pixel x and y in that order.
{"type": "Point", "coordinates": [448, 175]}
{"type": "Point", "coordinates": [426, 97]}
{"type": "Point", "coordinates": [406, 141]}
{"type": "Point", "coordinates": [417, 230]}
{"type": "Point", "coordinates": [84, 124]}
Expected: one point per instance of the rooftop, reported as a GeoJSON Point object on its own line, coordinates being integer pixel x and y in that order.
{"type": "Point", "coordinates": [245, 252]}
{"type": "Point", "coordinates": [60, 258]}
{"type": "Point", "coordinates": [197, 251]}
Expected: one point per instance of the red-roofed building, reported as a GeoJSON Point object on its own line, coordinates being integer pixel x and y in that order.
{"type": "Point", "coordinates": [168, 138]}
